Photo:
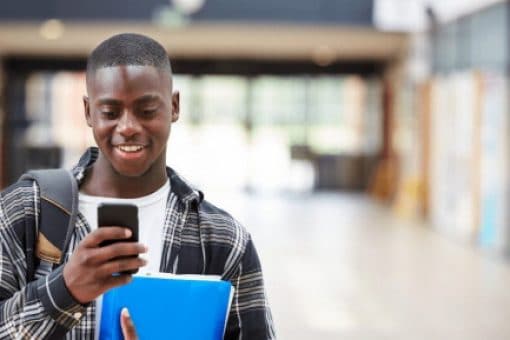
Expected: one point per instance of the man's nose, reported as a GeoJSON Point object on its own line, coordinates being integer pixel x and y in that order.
{"type": "Point", "coordinates": [128, 125]}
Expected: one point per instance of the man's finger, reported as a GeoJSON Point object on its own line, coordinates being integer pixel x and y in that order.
{"type": "Point", "coordinates": [115, 281]}
{"type": "Point", "coordinates": [121, 265]}
{"type": "Point", "coordinates": [126, 323]}
{"type": "Point", "coordinates": [105, 233]}
{"type": "Point", "coordinates": [120, 249]}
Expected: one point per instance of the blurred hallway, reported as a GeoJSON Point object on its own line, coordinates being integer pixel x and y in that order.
{"type": "Point", "coordinates": [405, 100]}
{"type": "Point", "coordinates": [340, 266]}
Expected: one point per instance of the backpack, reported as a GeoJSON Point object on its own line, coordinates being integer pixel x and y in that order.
{"type": "Point", "coordinates": [58, 207]}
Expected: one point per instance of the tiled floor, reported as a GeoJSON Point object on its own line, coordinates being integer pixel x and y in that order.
{"type": "Point", "coordinates": [339, 266]}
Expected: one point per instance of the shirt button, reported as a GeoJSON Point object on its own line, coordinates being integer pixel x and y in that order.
{"type": "Point", "coordinates": [77, 315]}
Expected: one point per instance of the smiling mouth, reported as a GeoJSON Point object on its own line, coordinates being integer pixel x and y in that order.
{"type": "Point", "coordinates": [130, 148]}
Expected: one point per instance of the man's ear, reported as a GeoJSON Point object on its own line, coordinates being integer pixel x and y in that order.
{"type": "Point", "coordinates": [86, 107]}
{"type": "Point", "coordinates": [176, 106]}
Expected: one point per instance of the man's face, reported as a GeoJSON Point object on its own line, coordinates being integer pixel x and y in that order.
{"type": "Point", "coordinates": [130, 110]}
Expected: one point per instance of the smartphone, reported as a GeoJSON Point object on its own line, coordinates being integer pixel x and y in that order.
{"type": "Point", "coordinates": [119, 215]}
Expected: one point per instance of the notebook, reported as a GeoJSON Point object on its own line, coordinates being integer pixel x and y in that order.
{"type": "Point", "coordinates": [167, 306]}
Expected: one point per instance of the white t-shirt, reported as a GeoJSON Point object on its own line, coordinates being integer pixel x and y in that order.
{"type": "Point", "coordinates": [151, 221]}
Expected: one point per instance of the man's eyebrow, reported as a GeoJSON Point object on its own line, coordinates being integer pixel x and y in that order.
{"type": "Point", "coordinates": [148, 98]}
{"type": "Point", "coordinates": [143, 99]}
{"type": "Point", "coordinates": [108, 101]}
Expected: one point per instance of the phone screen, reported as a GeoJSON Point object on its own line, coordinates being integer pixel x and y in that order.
{"type": "Point", "coordinates": [119, 215]}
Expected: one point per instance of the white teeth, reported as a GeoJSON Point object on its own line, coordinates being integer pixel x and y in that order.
{"type": "Point", "coordinates": [130, 148]}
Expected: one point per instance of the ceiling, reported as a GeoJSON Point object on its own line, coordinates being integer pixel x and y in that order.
{"type": "Point", "coordinates": [323, 44]}
{"type": "Point", "coordinates": [411, 15]}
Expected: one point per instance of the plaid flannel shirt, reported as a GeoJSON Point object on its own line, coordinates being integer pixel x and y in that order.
{"type": "Point", "coordinates": [198, 238]}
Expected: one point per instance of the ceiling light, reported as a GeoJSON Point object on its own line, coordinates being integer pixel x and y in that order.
{"type": "Point", "coordinates": [323, 55]}
{"type": "Point", "coordinates": [52, 29]}
{"type": "Point", "coordinates": [188, 7]}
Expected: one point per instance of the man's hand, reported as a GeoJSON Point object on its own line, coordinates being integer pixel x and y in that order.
{"type": "Point", "coordinates": [127, 325]}
{"type": "Point", "coordinates": [88, 273]}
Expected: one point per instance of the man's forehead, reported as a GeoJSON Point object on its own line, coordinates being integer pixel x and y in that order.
{"type": "Point", "coordinates": [128, 70]}
{"type": "Point", "coordinates": [122, 76]}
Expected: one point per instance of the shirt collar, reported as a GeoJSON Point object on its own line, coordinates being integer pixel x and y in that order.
{"type": "Point", "coordinates": [178, 185]}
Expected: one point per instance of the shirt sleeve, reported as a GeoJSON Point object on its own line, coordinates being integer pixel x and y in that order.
{"type": "Point", "coordinates": [250, 316]}
{"type": "Point", "coordinates": [41, 309]}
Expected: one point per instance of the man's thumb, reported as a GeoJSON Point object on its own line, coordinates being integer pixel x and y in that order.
{"type": "Point", "coordinates": [126, 323]}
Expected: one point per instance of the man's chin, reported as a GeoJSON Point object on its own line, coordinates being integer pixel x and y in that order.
{"type": "Point", "coordinates": [130, 172]}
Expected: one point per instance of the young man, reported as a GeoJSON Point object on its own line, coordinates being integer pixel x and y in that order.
{"type": "Point", "coordinates": [130, 107]}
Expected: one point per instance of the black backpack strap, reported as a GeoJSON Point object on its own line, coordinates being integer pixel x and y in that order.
{"type": "Point", "coordinates": [58, 208]}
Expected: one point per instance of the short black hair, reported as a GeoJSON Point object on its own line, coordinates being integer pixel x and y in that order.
{"type": "Point", "coordinates": [128, 49]}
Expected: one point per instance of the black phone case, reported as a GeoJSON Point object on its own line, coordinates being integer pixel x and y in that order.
{"type": "Point", "coordinates": [119, 215]}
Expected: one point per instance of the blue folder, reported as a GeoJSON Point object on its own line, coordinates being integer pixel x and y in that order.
{"type": "Point", "coordinates": [168, 307]}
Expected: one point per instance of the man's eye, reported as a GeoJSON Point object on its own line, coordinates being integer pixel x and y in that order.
{"type": "Point", "coordinates": [109, 114]}
{"type": "Point", "coordinates": [148, 112]}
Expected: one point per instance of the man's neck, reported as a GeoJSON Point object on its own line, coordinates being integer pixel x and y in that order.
{"type": "Point", "coordinates": [108, 183]}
